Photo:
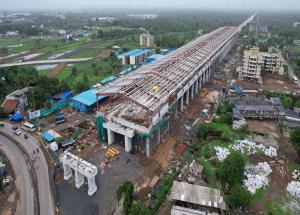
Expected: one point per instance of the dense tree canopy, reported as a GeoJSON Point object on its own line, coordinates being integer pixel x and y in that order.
{"type": "Point", "coordinates": [125, 192]}
{"type": "Point", "coordinates": [239, 197]}
{"type": "Point", "coordinates": [295, 139]}
{"type": "Point", "coordinates": [40, 87]}
{"type": "Point", "coordinates": [138, 208]}
{"type": "Point", "coordinates": [231, 171]}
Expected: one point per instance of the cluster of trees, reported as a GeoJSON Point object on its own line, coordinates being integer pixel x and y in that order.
{"type": "Point", "coordinates": [125, 195]}
{"type": "Point", "coordinates": [231, 175]}
{"type": "Point", "coordinates": [22, 28]}
{"type": "Point", "coordinates": [115, 33]}
{"type": "Point", "coordinates": [40, 87]}
{"type": "Point", "coordinates": [288, 100]}
{"type": "Point", "coordinates": [174, 40]}
{"type": "Point", "coordinates": [295, 140]}
{"type": "Point", "coordinates": [224, 111]}
{"type": "Point", "coordinates": [183, 21]}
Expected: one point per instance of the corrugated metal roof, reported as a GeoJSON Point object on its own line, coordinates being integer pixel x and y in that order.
{"type": "Point", "coordinates": [88, 97]}
{"type": "Point", "coordinates": [199, 195]}
{"type": "Point", "coordinates": [47, 136]}
{"type": "Point", "coordinates": [152, 85]}
{"type": "Point", "coordinates": [142, 52]}
{"type": "Point", "coordinates": [130, 52]}
{"type": "Point", "coordinates": [107, 80]}
{"type": "Point", "coordinates": [9, 105]}
{"type": "Point", "coordinates": [255, 107]}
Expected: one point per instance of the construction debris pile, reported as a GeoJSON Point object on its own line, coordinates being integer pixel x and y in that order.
{"type": "Point", "coordinates": [249, 147]}
{"type": "Point", "coordinates": [221, 153]}
{"type": "Point", "coordinates": [256, 176]}
{"type": "Point", "coordinates": [293, 187]}
{"type": "Point", "coordinates": [192, 174]}
{"type": "Point", "coordinates": [265, 140]}
{"type": "Point", "coordinates": [245, 147]}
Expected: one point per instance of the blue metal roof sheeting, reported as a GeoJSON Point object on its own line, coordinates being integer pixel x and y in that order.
{"type": "Point", "coordinates": [142, 52]}
{"type": "Point", "coordinates": [48, 136]}
{"type": "Point", "coordinates": [88, 97]}
{"type": "Point", "coordinates": [107, 80]}
{"type": "Point", "coordinates": [130, 52]}
{"type": "Point", "coordinates": [124, 72]}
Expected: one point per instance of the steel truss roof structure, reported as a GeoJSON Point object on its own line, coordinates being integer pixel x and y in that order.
{"type": "Point", "coordinates": [152, 85]}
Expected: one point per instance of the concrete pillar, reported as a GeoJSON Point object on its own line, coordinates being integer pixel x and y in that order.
{"type": "Point", "coordinates": [67, 172]}
{"type": "Point", "coordinates": [200, 82]}
{"type": "Point", "coordinates": [187, 98]}
{"type": "Point", "coordinates": [176, 111]}
{"type": "Point", "coordinates": [128, 144]}
{"type": "Point", "coordinates": [110, 137]}
{"type": "Point", "coordinates": [92, 186]}
{"type": "Point", "coordinates": [197, 87]}
{"type": "Point", "coordinates": [181, 104]}
{"type": "Point", "coordinates": [192, 88]}
{"type": "Point", "coordinates": [158, 136]}
{"type": "Point", "coordinates": [79, 179]}
{"type": "Point", "coordinates": [207, 74]}
{"type": "Point", "coordinates": [148, 147]}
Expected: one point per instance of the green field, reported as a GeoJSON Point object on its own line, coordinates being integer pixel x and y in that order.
{"type": "Point", "coordinates": [96, 70]}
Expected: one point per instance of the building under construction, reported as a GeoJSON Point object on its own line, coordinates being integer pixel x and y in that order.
{"type": "Point", "coordinates": [143, 106]}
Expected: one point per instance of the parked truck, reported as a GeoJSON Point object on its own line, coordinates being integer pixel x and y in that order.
{"type": "Point", "coordinates": [60, 118]}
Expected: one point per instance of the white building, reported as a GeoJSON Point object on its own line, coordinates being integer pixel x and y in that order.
{"type": "Point", "coordinates": [256, 62]}
{"type": "Point", "coordinates": [147, 41]}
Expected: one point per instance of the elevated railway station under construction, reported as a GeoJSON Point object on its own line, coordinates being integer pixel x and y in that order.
{"type": "Point", "coordinates": [143, 106]}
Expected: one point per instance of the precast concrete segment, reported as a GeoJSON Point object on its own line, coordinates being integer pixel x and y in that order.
{"type": "Point", "coordinates": [82, 169]}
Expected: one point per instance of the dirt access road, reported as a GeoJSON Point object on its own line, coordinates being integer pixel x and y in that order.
{"type": "Point", "coordinates": [180, 134]}
{"type": "Point", "coordinates": [59, 68]}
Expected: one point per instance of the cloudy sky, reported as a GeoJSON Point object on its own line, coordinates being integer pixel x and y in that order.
{"type": "Point", "coordinates": [202, 4]}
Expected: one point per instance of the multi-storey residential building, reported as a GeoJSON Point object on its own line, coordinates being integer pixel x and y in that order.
{"type": "Point", "coordinates": [147, 41]}
{"type": "Point", "coordinates": [256, 62]}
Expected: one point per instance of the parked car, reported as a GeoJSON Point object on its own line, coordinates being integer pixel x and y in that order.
{"type": "Point", "coordinates": [16, 130]}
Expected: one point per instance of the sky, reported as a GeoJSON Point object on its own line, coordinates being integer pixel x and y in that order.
{"type": "Point", "coordinates": [149, 4]}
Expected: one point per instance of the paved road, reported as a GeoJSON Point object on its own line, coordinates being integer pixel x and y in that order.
{"type": "Point", "coordinates": [41, 62]}
{"type": "Point", "coordinates": [41, 168]}
{"type": "Point", "coordinates": [23, 182]}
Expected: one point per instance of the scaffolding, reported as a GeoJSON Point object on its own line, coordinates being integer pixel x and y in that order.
{"type": "Point", "coordinates": [152, 85]}
{"type": "Point", "coordinates": [144, 104]}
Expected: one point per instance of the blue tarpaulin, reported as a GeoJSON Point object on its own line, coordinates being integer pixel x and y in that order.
{"type": "Point", "coordinates": [238, 90]}
{"type": "Point", "coordinates": [16, 117]}
{"type": "Point", "coordinates": [48, 136]}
